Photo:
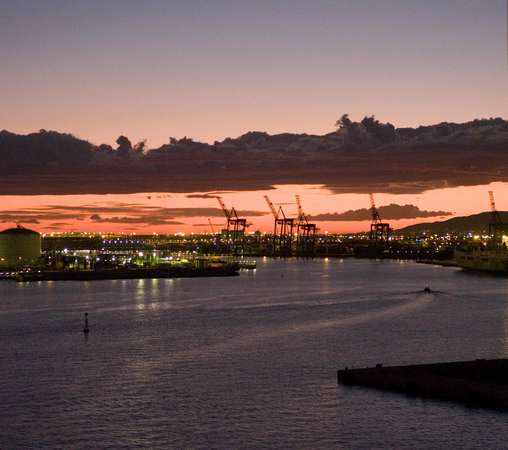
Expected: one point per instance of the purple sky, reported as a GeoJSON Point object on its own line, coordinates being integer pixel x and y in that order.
{"type": "Point", "coordinates": [214, 68]}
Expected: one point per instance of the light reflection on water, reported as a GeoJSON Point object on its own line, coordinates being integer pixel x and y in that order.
{"type": "Point", "coordinates": [244, 362]}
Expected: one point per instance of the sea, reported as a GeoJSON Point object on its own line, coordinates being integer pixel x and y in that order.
{"type": "Point", "coordinates": [247, 362]}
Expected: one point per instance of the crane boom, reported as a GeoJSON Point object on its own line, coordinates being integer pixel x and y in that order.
{"type": "Point", "coordinates": [272, 208]}
{"type": "Point", "coordinates": [496, 218]}
{"type": "Point", "coordinates": [211, 225]}
{"type": "Point", "coordinates": [372, 203]}
{"type": "Point", "coordinates": [492, 201]}
{"type": "Point", "coordinates": [301, 214]}
{"type": "Point", "coordinates": [233, 213]}
{"type": "Point", "coordinates": [373, 210]}
{"type": "Point", "coordinates": [223, 206]}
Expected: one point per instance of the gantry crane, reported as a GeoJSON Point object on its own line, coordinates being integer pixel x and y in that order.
{"type": "Point", "coordinates": [496, 225]}
{"type": "Point", "coordinates": [306, 232]}
{"type": "Point", "coordinates": [379, 230]}
{"type": "Point", "coordinates": [282, 244]}
{"type": "Point", "coordinates": [234, 232]}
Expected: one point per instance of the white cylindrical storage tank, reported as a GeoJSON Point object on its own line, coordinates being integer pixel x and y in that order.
{"type": "Point", "coordinates": [19, 247]}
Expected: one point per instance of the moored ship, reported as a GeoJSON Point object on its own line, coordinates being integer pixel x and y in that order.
{"type": "Point", "coordinates": [491, 256]}
{"type": "Point", "coordinates": [487, 260]}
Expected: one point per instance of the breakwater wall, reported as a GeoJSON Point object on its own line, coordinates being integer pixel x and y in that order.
{"type": "Point", "coordinates": [480, 382]}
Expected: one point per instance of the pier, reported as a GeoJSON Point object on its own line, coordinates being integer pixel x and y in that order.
{"type": "Point", "coordinates": [479, 383]}
{"type": "Point", "coordinates": [128, 273]}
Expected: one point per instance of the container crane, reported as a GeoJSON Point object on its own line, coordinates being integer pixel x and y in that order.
{"type": "Point", "coordinates": [282, 244]}
{"type": "Point", "coordinates": [306, 232]}
{"type": "Point", "coordinates": [272, 207]}
{"type": "Point", "coordinates": [376, 218]}
{"type": "Point", "coordinates": [496, 224]}
{"type": "Point", "coordinates": [379, 230]}
{"type": "Point", "coordinates": [235, 229]}
{"type": "Point", "coordinates": [223, 207]}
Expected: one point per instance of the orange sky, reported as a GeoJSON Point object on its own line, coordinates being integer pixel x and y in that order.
{"type": "Point", "coordinates": [209, 70]}
{"type": "Point", "coordinates": [316, 200]}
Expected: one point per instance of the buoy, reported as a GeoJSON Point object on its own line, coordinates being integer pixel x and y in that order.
{"type": "Point", "coordinates": [86, 329]}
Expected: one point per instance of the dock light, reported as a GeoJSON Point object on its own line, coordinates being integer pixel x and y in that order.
{"type": "Point", "coordinates": [140, 254]}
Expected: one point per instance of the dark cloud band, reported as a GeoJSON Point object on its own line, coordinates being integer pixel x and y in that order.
{"type": "Point", "coordinates": [388, 212]}
{"type": "Point", "coordinates": [366, 156]}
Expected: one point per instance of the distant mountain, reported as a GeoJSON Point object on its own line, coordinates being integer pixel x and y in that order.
{"type": "Point", "coordinates": [360, 157]}
{"type": "Point", "coordinates": [476, 223]}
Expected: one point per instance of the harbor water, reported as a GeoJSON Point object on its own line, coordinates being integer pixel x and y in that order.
{"type": "Point", "coordinates": [245, 362]}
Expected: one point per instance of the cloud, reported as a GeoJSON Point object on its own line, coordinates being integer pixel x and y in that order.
{"type": "Point", "coordinates": [209, 212]}
{"type": "Point", "coordinates": [388, 212]}
{"type": "Point", "coordinates": [146, 220]}
{"type": "Point", "coordinates": [366, 156]}
{"type": "Point", "coordinates": [214, 194]}
{"type": "Point", "coordinates": [57, 225]}
{"type": "Point", "coordinates": [201, 196]}
{"type": "Point", "coordinates": [9, 218]}
{"type": "Point", "coordinates": [147, 210]}
{"type": "Point", "coordinates": [28, 216]}
{"type": "Point", "coordinates": [114, 212]}
{"type": "Point", "coordinates": [208, 225]}
{"type": "Point", "coordinates": [106, 208]}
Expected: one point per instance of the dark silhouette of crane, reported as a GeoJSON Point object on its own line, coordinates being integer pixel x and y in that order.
{"type": "Point", "coordinates": [496, 225]}
{"type": "Point", "coordinates": [211, 225]}
{"type": "Point", "coordinates": [234, 232]}
{"type": "Point", "coordinates": [306, 232]}
{"type": "Point", "coordinates": [379, 230]}
{"type": "Point", "coordinates": [282, 243]}
{"type": "Point", "coordinates": [216, 237]}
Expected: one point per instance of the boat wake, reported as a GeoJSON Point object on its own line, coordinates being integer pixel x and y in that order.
{"type": "Point", "coordinates": [418, 301]}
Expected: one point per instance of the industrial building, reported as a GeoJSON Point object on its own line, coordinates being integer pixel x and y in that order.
{"type": "Point", "coordinates": [19, 247]}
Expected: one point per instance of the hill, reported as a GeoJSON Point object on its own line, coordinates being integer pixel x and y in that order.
{"type": "Point", "coordinates": [476, 223]}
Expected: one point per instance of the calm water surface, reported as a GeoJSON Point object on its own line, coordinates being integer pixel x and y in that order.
{"type": "Point", "coordinates": [245, 362]}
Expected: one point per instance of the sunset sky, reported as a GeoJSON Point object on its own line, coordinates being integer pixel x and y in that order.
{"type": "Point", "coordinates": [211, 69]}
{"type": "Point", "coordinates": [144, 213]}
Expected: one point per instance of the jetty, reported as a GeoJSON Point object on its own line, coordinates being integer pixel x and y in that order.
{"type": "Point", "coordinates": [478, 383]}
{"type": "Point", "coordinates": [127, 273]}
